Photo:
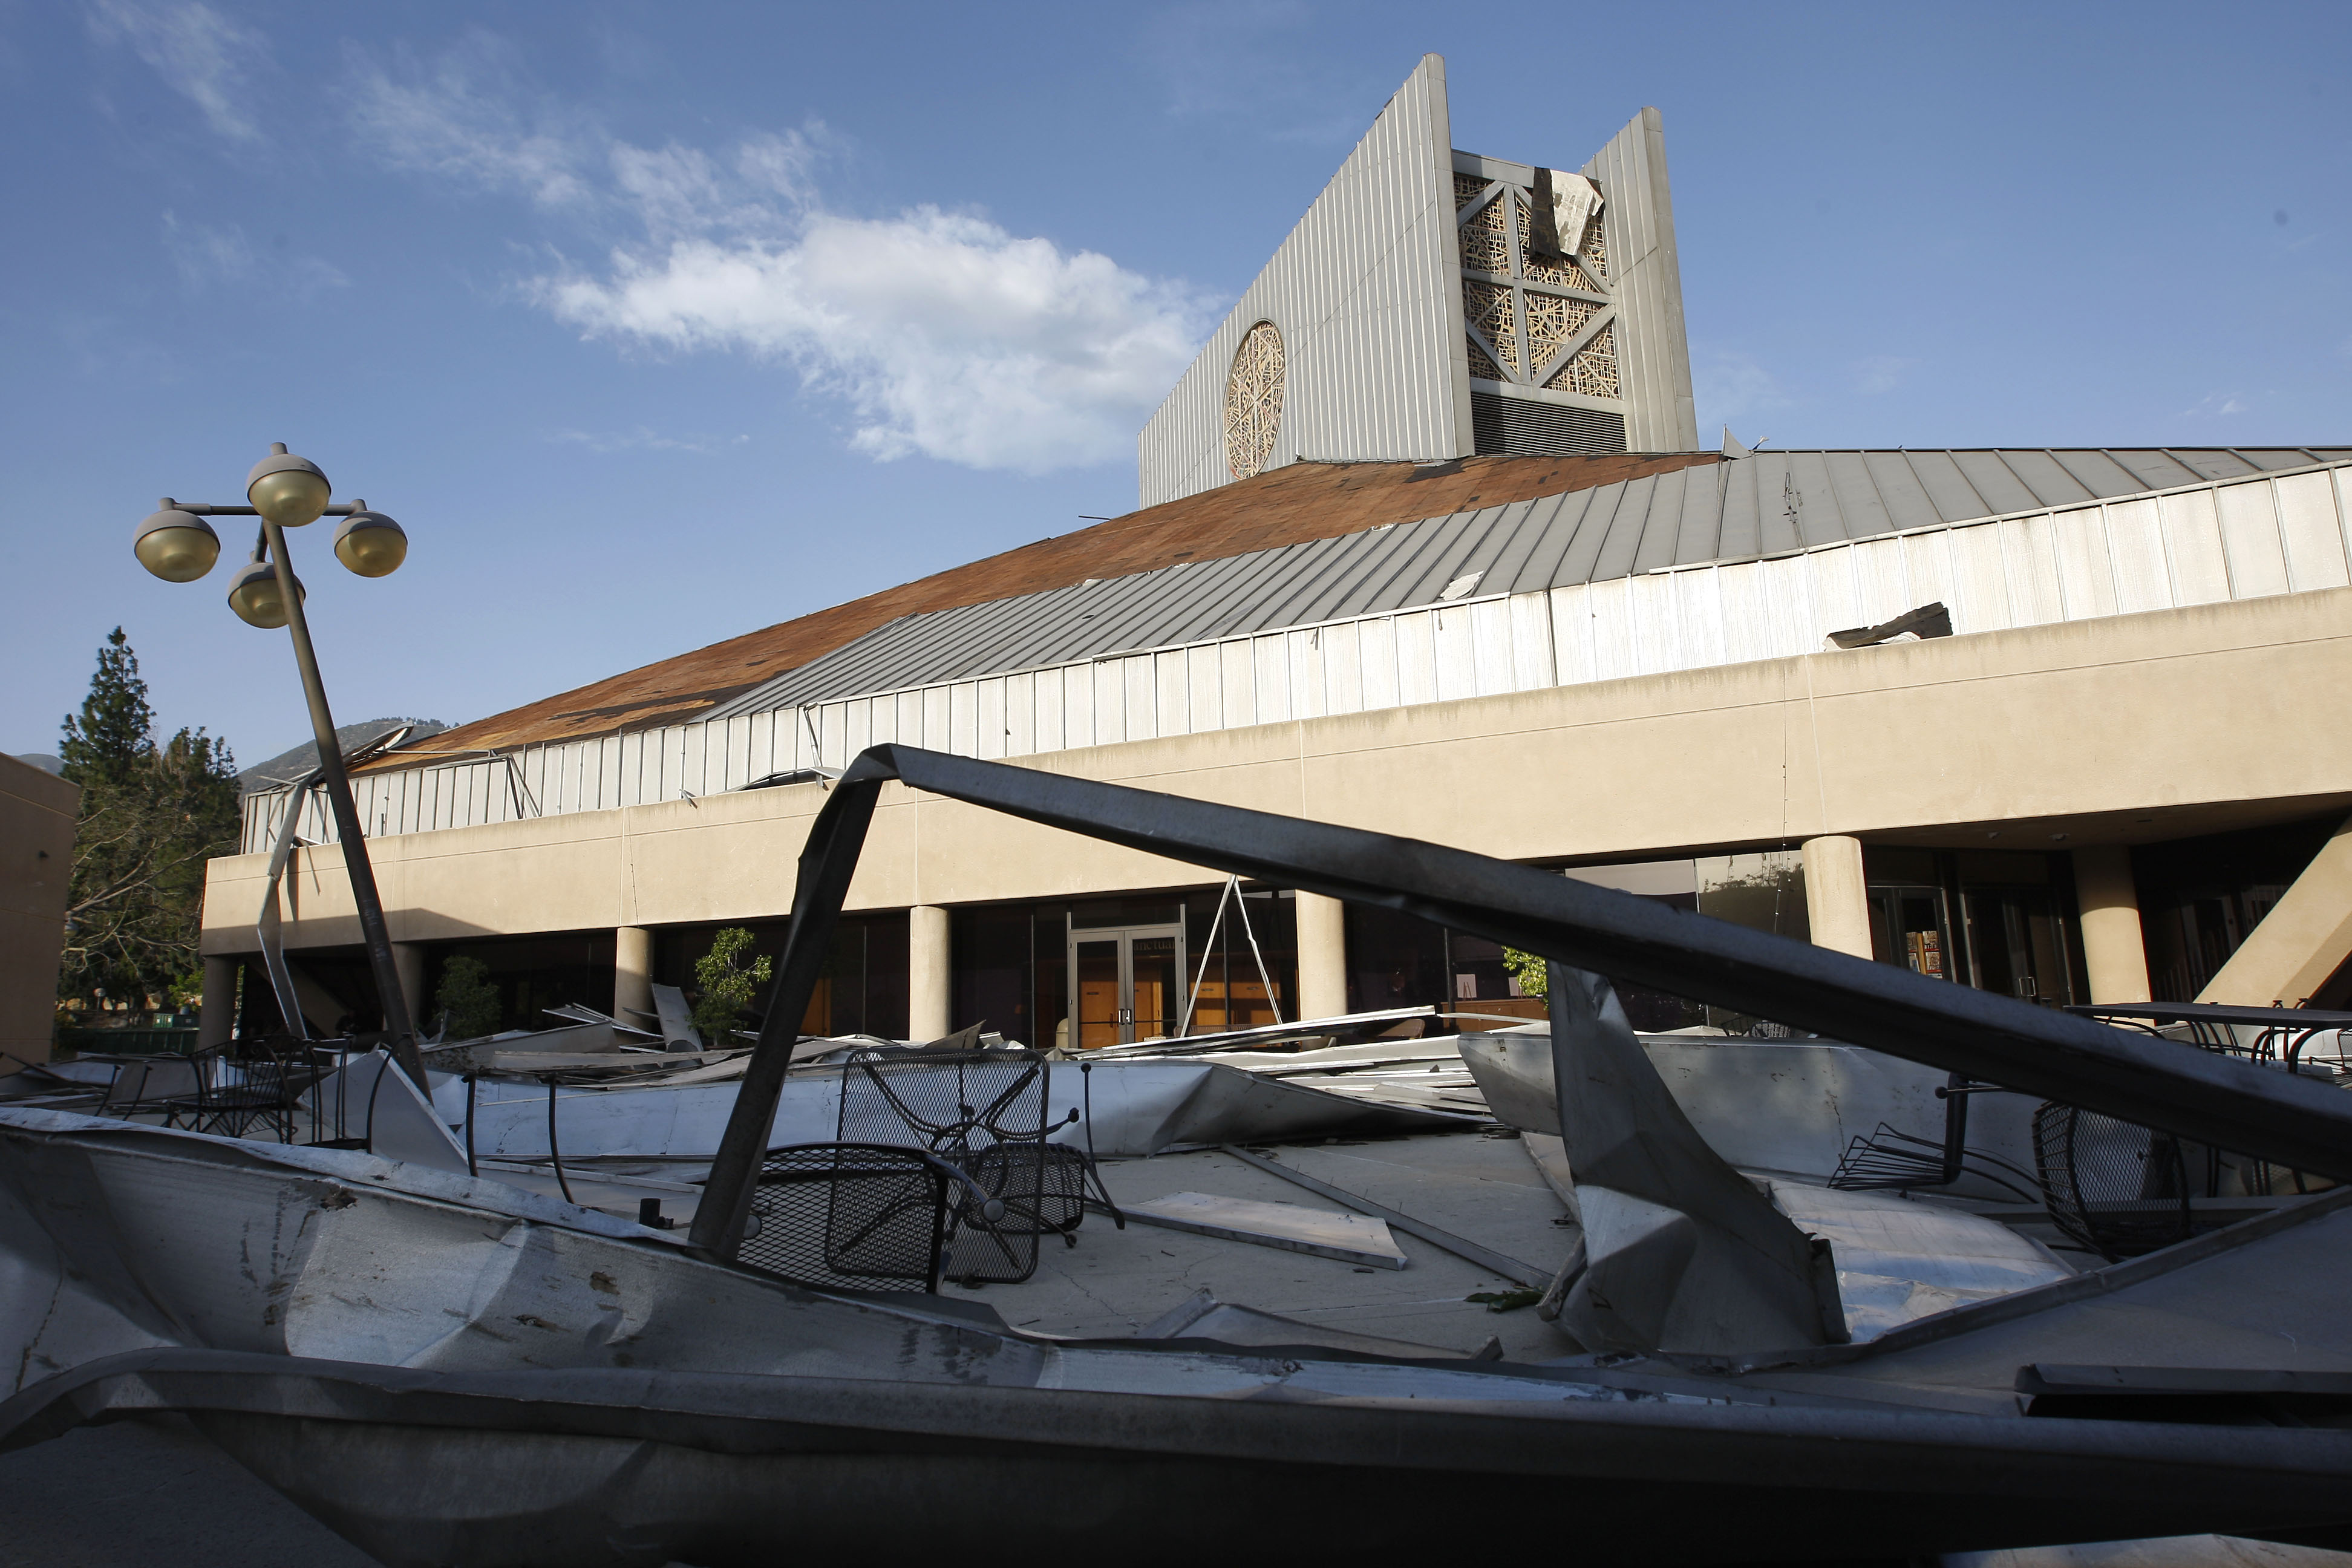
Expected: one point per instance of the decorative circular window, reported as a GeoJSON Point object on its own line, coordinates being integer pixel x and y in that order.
{"type": "Point", "coordinates": [1253, 401]}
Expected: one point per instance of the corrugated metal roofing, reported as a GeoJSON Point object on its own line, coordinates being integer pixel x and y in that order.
{"type": "Point", "coordinates": [1763, 504]}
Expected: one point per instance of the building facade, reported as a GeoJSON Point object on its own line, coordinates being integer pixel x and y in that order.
{"type": "Point", "coordinates": [1428, 547]}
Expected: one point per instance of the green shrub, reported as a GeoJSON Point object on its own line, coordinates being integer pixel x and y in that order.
{"type": "Point", "coordinates": [727, 986]}
{"type": "Point", "coordinates": [469, 1002]}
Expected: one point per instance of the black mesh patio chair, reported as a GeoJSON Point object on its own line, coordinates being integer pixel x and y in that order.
{"type": "Point", "coordinates": [861, 1216]}
{"type": "Point", "coordinates": [236, 1097]}
{"type": "Point", "coordinates": [984, 1112]}
{"type": "Point", "coordinates": [2119, 1189]}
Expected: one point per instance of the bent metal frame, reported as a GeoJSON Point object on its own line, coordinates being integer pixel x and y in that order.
{"type": "Point", "coordinates": [2177, 1088]}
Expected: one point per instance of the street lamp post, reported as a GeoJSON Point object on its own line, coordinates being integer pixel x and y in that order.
{"type": "Point", "coordinates": [286, 491]}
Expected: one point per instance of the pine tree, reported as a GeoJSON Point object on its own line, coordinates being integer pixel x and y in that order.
{"type": "Point", "coordinates": [116, 730]}
{"type": "Point", "coordinates": [150, 816]}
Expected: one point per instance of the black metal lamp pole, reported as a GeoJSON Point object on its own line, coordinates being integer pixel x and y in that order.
{"type": "Point", "coordinates": [178, 545]}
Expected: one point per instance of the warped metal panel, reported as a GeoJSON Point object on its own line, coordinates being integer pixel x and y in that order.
{"type": "Point", "coordinates": [938, 719]}
{"type": "Point", "coordinates": [988, 718]}
{"type": "Point", "coordinates": [1837, 598]}
{"type": "Point", "coordinates": [1531, 659]}
{"type": "Point", "coordinates": [2030, 564]}
{"type": "Point", "coordinates": [2046, 477]}
{"type": "Point", "coordinates": [1021, 714]}
{"type": "Point", "coordinates": [1979, 601]}
{"type": "Point", "coordinates": [1572, 634]}
{"type": "Point", "coordinates": [2086, 580]}
{"type": "Point", "coordinates": [2312, 532]}
{"type": "Point", "coordinates": [1996, 483]}
{"type": "Point", "coordinates": [1078, 708]}
{"type": "Point", "coordinates": [2192, 537]}
{"type": "Point", "coordinates": [1270, 659]}
{"type": "Point", "coordinates": [2135, 546]}
{"type": "Point", "coordinates": [1946, 487]}
{"type": "Point", "coordinates": [1657, 627]}
{"type": "Point", "coordinates": [1171, 704]}
{"type": "Point", "coordinates": [1306, 662]}
{"type": "Point", "coordinates": [1417, 646]}
{"type": "Point", "coordinates": [1237, 683]}
{"type": "Point", "coordinates": [1455, 656]}
{"type": "Point", "coordinates": [1746, 624]}
{"type": "Point", "coordinates": [1699, 611]}
{"type": "Point", "coordinates": [2250, 538]}
{"type": "Point", "coordinates": [1490, 643]}
{"type": "Point", "coordinates": [1343, 669]}
{"type": "Point", "coordinates": [1616, 633]}
{"type": "Point", "coordinates": [1881, 582]}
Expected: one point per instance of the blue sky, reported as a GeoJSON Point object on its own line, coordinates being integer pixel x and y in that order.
{"type": "Point", "coordinates": [654, 324]}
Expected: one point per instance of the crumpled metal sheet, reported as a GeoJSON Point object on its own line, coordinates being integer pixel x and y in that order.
{"type": "Point", "coordinates": [1140, 1106]}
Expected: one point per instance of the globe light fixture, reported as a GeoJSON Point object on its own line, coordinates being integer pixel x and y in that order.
{"type": "Point", "coordinates": [177, 546]}
{"type": "Point", "coordinates": [288, 490]}
{"type": "Point", "coordinates": [255, 595]}
{"type": "Point", "coordinates": [371, 543]}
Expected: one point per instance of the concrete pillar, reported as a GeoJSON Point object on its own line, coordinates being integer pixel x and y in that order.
{"type": "Point", "coordinates": [632, 974]}
{"type": "Point", "coordinates": [1322, 956]}
{"type": "Point", "coordinates": [2114, 949]}
{"type": "Point", "coordinates": [408, 962]}
{"type": "Point", "coordinates": [1837, 898]}
{"type": "Point", "coordinates": [928, 972]}
{"type": "Point", "coordinates": [218, 1016]}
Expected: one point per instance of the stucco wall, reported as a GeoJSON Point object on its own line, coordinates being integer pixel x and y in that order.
{"type": "Point", "coordinates": [37, 837]}
{"type": "Point", "coordinates": [2127, 729]}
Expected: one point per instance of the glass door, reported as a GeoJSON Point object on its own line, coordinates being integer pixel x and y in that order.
{"type": "Point", "coordinates": [1126, 983]}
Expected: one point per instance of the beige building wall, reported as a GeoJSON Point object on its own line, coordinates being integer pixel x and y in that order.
{"type": "Point", "coordinates": [2130, 729]}
{"type": "Point", "coordinates": [36, 838]}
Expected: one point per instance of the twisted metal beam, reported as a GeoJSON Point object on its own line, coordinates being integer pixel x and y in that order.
{"type": "Point", "coordinates": [2215, 1100]}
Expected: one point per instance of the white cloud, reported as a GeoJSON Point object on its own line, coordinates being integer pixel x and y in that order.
{"type": "Point", "coordinates": [945, 335]}
{"type": "Point", "coordinates": [2215, 403]}
{"type": "Point", "coordinates": [458, 121]}
{"type": "Point", "coordinates": [1880, 374]}
{"type": "Point", "coordinates": [948, 336]}
{"type": "Point", "coordinates": [209, 254]}
{"type": "Point", "coordinates": [1730, 385]}
{"type": "Point", "coordinates": [199, 53]}
{"type": "Point", "coordinates": [643, 438]}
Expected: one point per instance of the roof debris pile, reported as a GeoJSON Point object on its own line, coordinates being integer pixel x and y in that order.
{"type": "Point", "coordinates": [527, 1322]}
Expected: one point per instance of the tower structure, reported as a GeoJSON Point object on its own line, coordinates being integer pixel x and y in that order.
{"type": "Point", "coordinates": [1435, 303]}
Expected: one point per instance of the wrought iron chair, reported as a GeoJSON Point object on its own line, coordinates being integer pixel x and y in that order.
{"type": "Point", "coordinates": [233, 1097]}
{"type": "Point", "coordinates": [860, 1216]}
{"type": "Point", "coordinates": [2118, 1189]}
{"type": "Point", "coordinates": [984, 1113]}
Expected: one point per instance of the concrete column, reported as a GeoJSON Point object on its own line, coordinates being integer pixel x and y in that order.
{"type": "Point", "coordinates": [2114, 949]}
{"type": "Point", "coordinates": [632, 974]}
{"type": "Point", "coordinates": [1837, 899]}
{"type": "Point", "coordinates": [408, 962]}
{"type": "Point", "coordinates": [928, 972]}
{"type": "Point", "coordinates": [218, 1015]}
{"type": "Point", "coordinates": [1322, 956]}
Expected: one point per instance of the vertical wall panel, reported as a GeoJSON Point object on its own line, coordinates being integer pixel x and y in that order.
{"type": "Point", "coordinates": [1270, 656]}
{"type": "Point", "coordinates": [1305, 652]}
{"type": "Point", "coordinates": [1078, 708]}
{"type": "Point", "coordinates": [1021, 714]}
{"type": "Point", "coordinates": [2249, 536]}
{"type": "Point", "coordinates": [2136, 547]}
{"type": "Point", "coordinates": [1376, 657]}
{"type": "Point", "coordinates": [2029, 569]}
{"type": "Point", "coordinates": [1490, 647]}
{"type": "Point", "coordinates": [1343, 669]}
{"type": "Point", "coordinates": [2086, 578]}
{"type": "Point", "coordinates": [2307, 522]}
{"type": "Point", "coordinates": [1980, 580]}
{"type": "Point", "coordinates": [1416, 648]}
{"type": "Point", "coordinates": [1531, 662]}
{"type": "Point", "coordinates": [2192, 538]}
{"type": "Point", "coordinates": [1171, 678]}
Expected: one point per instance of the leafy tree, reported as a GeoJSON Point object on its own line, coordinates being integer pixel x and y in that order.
{"type": "Point", "coordinates": [150, 816]}
{"type": "Point", "coordinates": [1530, 970]}
{"type": "Point", "coordinates": [469, 1005]}
{"type": "Point", "coordinates": [727, 985]}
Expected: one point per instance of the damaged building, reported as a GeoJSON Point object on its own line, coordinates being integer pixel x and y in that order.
{"type": "Point", "coordinates": [1426, 545]}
